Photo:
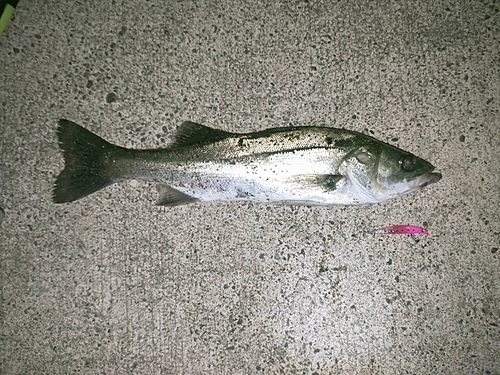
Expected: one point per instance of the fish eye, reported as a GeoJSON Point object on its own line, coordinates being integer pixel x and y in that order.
{"type": "Point", "coordinates": [407, 163]}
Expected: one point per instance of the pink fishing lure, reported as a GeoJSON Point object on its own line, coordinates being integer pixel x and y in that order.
{"type": "Point", "coordinates": [402, 229]}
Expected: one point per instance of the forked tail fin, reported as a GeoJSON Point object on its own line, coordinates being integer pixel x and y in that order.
{"type": "Point", "coordinates": [84, 162]}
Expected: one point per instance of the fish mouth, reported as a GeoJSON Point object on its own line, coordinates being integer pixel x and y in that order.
{"type": "Point", "coordinates": [430, 178]}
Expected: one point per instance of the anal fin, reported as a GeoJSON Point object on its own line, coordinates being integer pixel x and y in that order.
{"type": "Point", "coordinates": [168, 196]}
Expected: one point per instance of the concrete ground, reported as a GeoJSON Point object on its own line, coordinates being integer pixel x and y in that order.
{"type": "Point", "coordinates": [113, 285]}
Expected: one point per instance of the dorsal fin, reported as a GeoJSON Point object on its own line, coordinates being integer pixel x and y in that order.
{"type": "Point", "coordinates": [190, 133]}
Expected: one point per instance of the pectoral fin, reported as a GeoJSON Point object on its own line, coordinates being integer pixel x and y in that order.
{"type": "Point", "coordinates": [327, 181]}
{"type": "Point", "coordinates": [168, 196]}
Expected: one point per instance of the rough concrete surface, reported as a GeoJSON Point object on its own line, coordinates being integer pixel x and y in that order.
{"type": "Point", "coordinates": [111, 284]}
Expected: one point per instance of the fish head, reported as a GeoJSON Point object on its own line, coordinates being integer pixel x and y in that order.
{"type": "Point", "coordinates": [378, 172]}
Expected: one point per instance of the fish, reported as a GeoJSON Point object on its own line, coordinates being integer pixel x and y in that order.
{"type": "Point", "coordinates": [402, 229]}
{"type": "Point", "coordinates": [304, 165]}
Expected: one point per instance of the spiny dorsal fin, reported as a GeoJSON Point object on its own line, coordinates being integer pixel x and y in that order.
{"type": "Point", "coordinates": [190, 133]}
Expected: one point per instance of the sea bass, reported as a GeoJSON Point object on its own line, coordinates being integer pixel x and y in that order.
{"type": "Point", "coordinates": [294, 165]}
